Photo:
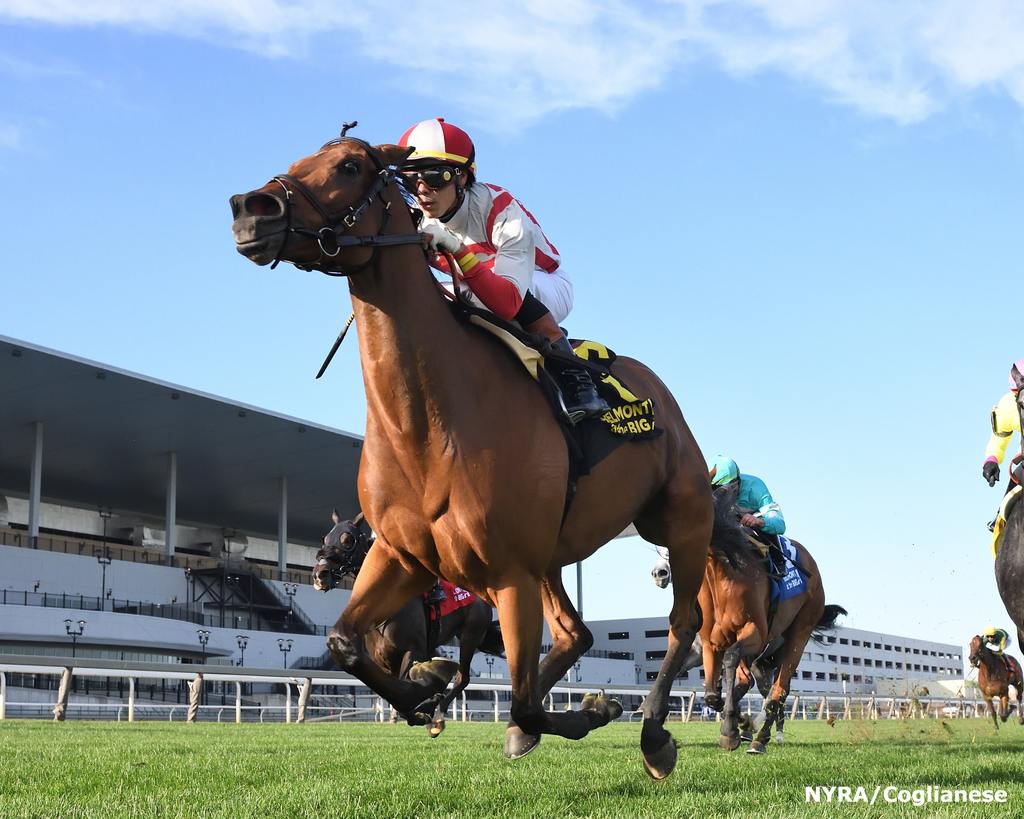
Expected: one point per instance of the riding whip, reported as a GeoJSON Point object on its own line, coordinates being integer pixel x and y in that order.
{"type": "Point", "coordinates": [337, 344]}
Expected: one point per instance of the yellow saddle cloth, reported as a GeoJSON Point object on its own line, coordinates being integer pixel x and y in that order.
{"type": "Point", "coordinates": [1004, 510]}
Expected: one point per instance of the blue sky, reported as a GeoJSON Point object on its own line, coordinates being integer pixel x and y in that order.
{"type": "Point", "coordinates": [805, 219]}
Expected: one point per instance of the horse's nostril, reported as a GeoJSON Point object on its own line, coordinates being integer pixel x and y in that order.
{"type": "Point", "coordinates": [263, 204]}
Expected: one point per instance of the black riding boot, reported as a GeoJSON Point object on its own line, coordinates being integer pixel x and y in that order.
{"type": "Point", "coordinates": [578, 390]}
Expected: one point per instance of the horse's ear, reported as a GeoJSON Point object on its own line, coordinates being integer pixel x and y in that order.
{"type": "Point", "coordinates": [713, 472]}
{"type": "Point", "coordinates": [335, 517]}
{"type": "Point", "coordinates": [358, 519]}
{"type": "Point", "coordinates": [393, 154]}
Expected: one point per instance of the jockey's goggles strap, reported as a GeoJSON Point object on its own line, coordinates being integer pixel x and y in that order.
{"type": "Point", "coordinates": [435, 177]}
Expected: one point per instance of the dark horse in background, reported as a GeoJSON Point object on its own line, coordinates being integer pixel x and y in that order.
{"type": "Point", "coordinates": [1010, 557]}
{"type": "Point", "coordinates": [996, 673]}
{"type": "Point", "coordinates": [465, 472]}
{"type": "Point", "coordinates": [412, 635]}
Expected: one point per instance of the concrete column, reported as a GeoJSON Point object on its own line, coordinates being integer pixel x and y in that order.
{"type": "Point", "coordinates": [282, 532]}
{"type": "Point", "coordinates": [238, 702]}
{"type": "Point", "coordinates": [171, 515]}
{"type": "Point", "coordinates": [131, 699]}
{"type": "Point", "coordinates": [579, 589]}
{"type": "Point", "coordinates": [35, 484]}
{"type": "Point", "coordinates": [3, 695]}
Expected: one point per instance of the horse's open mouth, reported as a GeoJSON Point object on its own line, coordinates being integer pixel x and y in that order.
{"type": "Point", "coordinates": [262, 250]}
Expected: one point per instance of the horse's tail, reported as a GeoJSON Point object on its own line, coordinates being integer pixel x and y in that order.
{"type": "Point", "coordinates": [827, 621]}
{"type": "Point", "coordinates": [728, 541]}
{"type": "Point", "coordinates": [493, 643]}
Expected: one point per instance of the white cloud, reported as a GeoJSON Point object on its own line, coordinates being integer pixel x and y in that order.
{"type": "Point", "coordinates": [10, 137]}
{"type": "Point", "coordinates": [518, 62]}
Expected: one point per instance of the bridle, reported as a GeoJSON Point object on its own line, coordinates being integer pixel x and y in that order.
{"type": "Point", "coordinates": [335, 228]}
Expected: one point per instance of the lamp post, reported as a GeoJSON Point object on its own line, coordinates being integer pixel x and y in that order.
{"type": "Point", "coordinates": [104, 561]}
{"type": "Point", "coordinates": [578, 666]}
{"type": "Point", "coordinates": [290, 589]}
{"type": "Point", "coordinates": [190, 589]}
{"type": "Point", "coordinates": [490, 666]}
{"type": "Point", "coordinates": [204, 638]}
{"type": "Point", "coordinates": [242, 641]}
{"type": "Point", "coordinates": [74, 634]}
{"type": "Point", "coordinates": [285, 646]}
{"type": "Point", "coordinates": [636, 670]}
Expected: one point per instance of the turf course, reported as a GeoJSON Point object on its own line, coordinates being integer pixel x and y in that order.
{"type": "Point", "coordinates": [79, 769]}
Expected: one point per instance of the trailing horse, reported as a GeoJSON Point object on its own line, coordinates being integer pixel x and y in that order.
{"type": "Point", "coordinates": [743, 627]}
{"type": "Point", "coordinates": [996, 673]}
{"type": "Point", "coordinates": [465, 473]}
{"type": "Point", "coordinates": [413, 634]}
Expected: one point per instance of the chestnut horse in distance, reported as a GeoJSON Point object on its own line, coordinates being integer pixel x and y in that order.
{"type": "Point", "coordinates": [995, 679]}
{"type": "Point", "coordinates": [464, 470]}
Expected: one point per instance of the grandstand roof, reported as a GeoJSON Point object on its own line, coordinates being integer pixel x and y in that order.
{"type": "Point", "coordinates": [107, 432]}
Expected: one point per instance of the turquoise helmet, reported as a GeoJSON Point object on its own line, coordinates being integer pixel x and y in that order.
{"type": "Point", "coordinates": [725, 470]}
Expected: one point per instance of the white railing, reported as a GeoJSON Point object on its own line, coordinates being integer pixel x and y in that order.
{"type": "Point", "coordinates": [299, 684]}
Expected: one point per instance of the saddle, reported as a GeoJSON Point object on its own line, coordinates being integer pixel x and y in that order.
{"type": "Point", "coordinates": [999, 524]}
{"type": "Point", "coordinates": [1012, 666]}
{"type": "Point", "coordinates": [631, 417]}
{"type": "Point", "coordinates": [768, 547]}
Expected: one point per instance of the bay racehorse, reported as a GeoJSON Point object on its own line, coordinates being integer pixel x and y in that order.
{"type": "Point", "coordinates": [761, 672]}
{"type": "Point", "coordinates": [465, 471]}
{"type": "Point", "coordinates": [1009, 565]}
{"type": "Point", "coordinates": [411, 635]}
{"type": "Point", "coordinates": [995, 676]}
{"type": "Point", "coordinates": [740, 625]}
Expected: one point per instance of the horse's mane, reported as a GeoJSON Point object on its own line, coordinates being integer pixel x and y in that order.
{"type": "Point", "coordinates": [729, 542]}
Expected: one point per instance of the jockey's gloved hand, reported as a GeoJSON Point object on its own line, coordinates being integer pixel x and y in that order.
{"type": "Point", "coordinates": [990, 472]}
{"type": "Point", "coordinates": [441, 238]}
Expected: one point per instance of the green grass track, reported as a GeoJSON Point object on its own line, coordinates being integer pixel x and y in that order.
{"type": "Point", "coordinates": [103, 769]}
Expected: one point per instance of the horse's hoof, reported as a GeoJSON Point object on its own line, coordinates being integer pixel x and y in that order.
{"type": "Point", "coordinates": [663, 761]}
{"type": "Point", "coordinates": [435, 728]}
{"type": "Point", "coordinates": [614, 710]}
{"type": "Point", "coordinates": [518, 743]}
{"type": "Point", "coordinates": [778, 738]}
{"type": "Point", "coordinates": [436, 673]}
{"type": "Point", "coordinates": [745, 737]}
{"type": "Point", "coordinates": [603, 708]}
{"type": "Point", "coordinates": [729, 742]}
{"type": "Point", "coordinates": [756, 747]}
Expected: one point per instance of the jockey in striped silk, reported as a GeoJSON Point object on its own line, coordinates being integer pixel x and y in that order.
{"type": "Point", "coordinates": [508, 265]}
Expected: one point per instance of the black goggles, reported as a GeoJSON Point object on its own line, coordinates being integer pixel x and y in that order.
{"type": "Point", "coordinates": [435, 177]}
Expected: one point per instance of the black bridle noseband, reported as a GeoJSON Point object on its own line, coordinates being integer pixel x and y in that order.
{"type": "Point", "coordinates": [335, 228]}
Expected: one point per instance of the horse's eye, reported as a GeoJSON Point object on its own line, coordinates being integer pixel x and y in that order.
{"type": "Point", "coordinates": [349, 168]}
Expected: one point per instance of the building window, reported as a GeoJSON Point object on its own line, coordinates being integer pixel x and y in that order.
{"type": "Point", "coordinates": [832, 678]}
{"type": "Point", "coordinates": [819, 675]}
{"type": "Point", "coordinates": [856, 660]}
{"type": "Point", "coordinates": [878, 645]}
{"type": "Point", "coordinates": [899, 648]}
{"type": "Point", "coordinates": [855, 643]}
{"type": "Point", "coordinates": [618, 635]}
{"type": "Point", "coordinates": [888, 648]}
{"type": "Point", "coordinates": [843, 641]}
{"type": "Point", "coordinates": [656, 655]}
{"type": "Point", "coordinates": [652, 675]}
{"type": "Point", "coordinates": [620, 655]}
{"type": "Point", "coordinates": [805, 675]}
{"type": "Point", "coordinates": [831, 658]}
{"type": "Point", "coordinates": [867, 663]}
{"type": "Point", "coordinates": [657, 632]}
{"type": "Point", "coordinates": [845, 660]}
{"type": "Point", "coordinates": [888, 663]}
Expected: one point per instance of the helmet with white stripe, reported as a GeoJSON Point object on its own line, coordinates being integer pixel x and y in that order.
{"type": "Point", "coordinates": [435, 141]}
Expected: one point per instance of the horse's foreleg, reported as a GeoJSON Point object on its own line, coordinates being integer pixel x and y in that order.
{"type": "Point", "coordinates": [570, 638]}
{"type": "Point", "coordinates": [474, 628]}
{"type": "Point", "coordinates": [382, 588]}
{"type": "Point", "coordinates": [1004, 706]}
{"type": "Point", "coordinates": [796, 638]}
{"type": "Point", "coordinates": [992, 711]}
{"type": "Point", "coordinates": [730, 734]}
{"type": "Point", "coordinates": [520, 614]}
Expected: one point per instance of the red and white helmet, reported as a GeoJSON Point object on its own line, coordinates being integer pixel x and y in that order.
{"type": "Point", "coordinates": [435, 140]}
{"type": "Point", "coordinates": [1018, 365]}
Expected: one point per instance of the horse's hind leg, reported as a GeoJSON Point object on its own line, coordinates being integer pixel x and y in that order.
{"type": "Point", "coordinates": [382, 588]}
{"type": "Point", "coordinates": [477, 619]}
{"type": "Point", "coordinates": [1004, 706]}
{"type": "Point", "coordinates": [992, 711]}
{"type": "Point", "coordinates": [681, 523]}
